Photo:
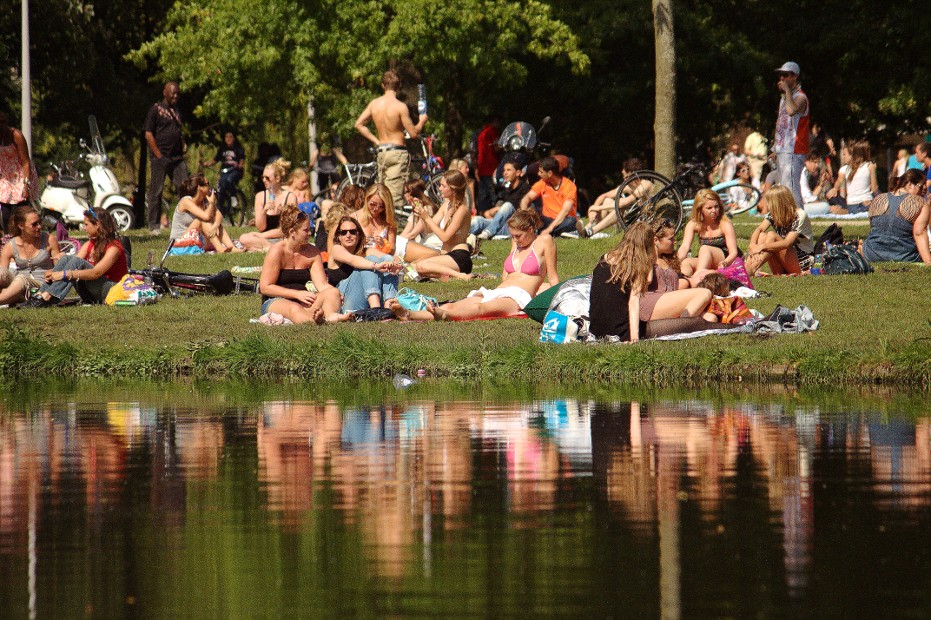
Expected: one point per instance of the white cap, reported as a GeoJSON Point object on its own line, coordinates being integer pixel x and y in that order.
{"type": "Point", "coordinates": [789, 67]}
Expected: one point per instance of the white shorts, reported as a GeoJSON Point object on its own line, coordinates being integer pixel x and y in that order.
{"type": "Point", "coordinates": [516, 293]}
{"type": "Point", "coordinates": [400, 246]}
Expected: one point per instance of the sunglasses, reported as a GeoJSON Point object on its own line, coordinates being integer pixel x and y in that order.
{"type": "Point", "coordinates": [376, 203]}
{"type": "Point", "coordinates": [348, 231]}
{"type": "Point", "coordinates": [268, 178]}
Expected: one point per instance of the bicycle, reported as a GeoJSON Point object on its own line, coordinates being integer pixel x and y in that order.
{"type": "Point", "coordinates": [166, 282]}
{"type": "Point", "coordinates": [236, 214]}
{"type": "Point", "coordinates": [649, 196]}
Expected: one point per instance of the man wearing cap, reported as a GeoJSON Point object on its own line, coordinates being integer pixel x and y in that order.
{"type": "Point", "coordinates": [392, 119]}
{"type": "Point", "coordinates": [792, 130]}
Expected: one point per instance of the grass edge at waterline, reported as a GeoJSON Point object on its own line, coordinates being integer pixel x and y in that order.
{"type": "Point", "coordinates": [343, 354]}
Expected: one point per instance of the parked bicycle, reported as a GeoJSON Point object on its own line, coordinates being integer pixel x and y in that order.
{"type": "Point", "coordinates": [647, 195]}
{"type": "Point", "coordinates": [172, 283]}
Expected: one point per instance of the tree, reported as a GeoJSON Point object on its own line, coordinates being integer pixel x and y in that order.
{"type": "Point", "coordinates": [256, 60]}
{"type": "Point", "coordinates": [664, 125]}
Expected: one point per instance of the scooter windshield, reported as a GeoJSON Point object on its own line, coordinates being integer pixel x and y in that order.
{"type": "Point", "coordinates": [518, 136]}
{"type": "Point", "coordinates": [96, 140]}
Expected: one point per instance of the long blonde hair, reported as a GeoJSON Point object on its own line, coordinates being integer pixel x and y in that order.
{"type": "Point", "coordinates": [859, 155]}
{"type": "Point", "coordinates": [782, 205]}
{"type": "Point", "coordinates": [632, 260]}
{"type": "Point", "coordinates": [382, 191]}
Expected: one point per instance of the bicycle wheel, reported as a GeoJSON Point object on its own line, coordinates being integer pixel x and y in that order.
{"type": "Point", "coordinates": [647, 196]}
{"type": "Point", "coordinates": [740, 201]}
{"type": "Point", "coordinates": [433, 188]}
{"type": "Point", "coordinates": [237, 214]}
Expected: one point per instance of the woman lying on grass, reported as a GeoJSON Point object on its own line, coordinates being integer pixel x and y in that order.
{"type": "Point", "coordinates": [784, 239]}
{"type": "Point", "coordinates": [288, 268]}
{"type": "Point", "coordinates": [529, 269]}
{"type": "Point", "coordinates": [629, 289]}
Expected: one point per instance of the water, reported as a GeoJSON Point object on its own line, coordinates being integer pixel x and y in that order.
{"type": "Point", "coordinates": [187, 501]}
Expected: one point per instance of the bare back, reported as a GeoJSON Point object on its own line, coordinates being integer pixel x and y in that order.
{"type": "Point", "coordinates": [388, 114]}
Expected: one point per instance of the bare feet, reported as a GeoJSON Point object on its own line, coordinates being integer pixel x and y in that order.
{"type": "Point", "coordinates": [402, 313]}
{"type": "Point", "coordinates": [438, 313]}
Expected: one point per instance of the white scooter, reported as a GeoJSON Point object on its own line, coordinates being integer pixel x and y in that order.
{"type": "Point", "coordinates": [67, 197]}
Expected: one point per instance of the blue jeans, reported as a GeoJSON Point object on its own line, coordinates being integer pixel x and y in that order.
{"type": "Point", "coordinates": [362, 282]}
{"type": "Point", "coordinates": [226, 186]}
{"type": "Point", "coordinates": [486, 193]}
{"type": "Point", "coordinates": [567, 225]}
{"type": "Point", "coordinates": [789, 168]}
{"type": "Point", "coordinates": [90, 291]}
{"type": "Point", "coordinates": [498, 225]}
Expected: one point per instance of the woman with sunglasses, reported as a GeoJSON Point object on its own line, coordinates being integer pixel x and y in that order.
{"type": "Point", "coordinates": [529, 269]}
{"type": "Point", "coordinates": [899, 222]}
{"type": "Point", "coordinates": [288, 269]}
{"type": "Point", "coordinates": [269, 205]}
{"type": "Point", "coordinates": [197, 211]}
{"type": "Point", "coordinates": [377, 219]}
{"type": "Point", "coordinates": [98, 265]}
{"type": "Point", "coordinates": [34, 252]}
{"type": "Point", "coordinates": [365, 282]}
{"type": "Point", "coordinates": [451, 224]}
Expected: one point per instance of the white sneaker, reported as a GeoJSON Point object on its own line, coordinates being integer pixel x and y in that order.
{"type": "Point", "coordinates": [599, 235]}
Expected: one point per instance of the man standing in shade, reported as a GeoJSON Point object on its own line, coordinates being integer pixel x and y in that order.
{"type": "Point", "coordinates": [166, 151]}
{"type": "Point", "coordinates": [792, 130]}
{"type": "Point", "coordinates": [392, 119]}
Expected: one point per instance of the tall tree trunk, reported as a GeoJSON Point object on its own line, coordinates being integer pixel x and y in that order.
{"type": "Point", "coordinates": [664, 124]}
{"type": "Point", "coordinates": [453, 117]}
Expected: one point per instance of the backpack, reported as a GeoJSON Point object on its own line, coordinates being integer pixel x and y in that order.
{"type": "Point", "coordinates": [844, 259]}
{"type": "Point", "coordinates": [832, 235]}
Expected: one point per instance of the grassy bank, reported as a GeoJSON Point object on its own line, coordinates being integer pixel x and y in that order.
{"type": "Point", "coordinates": [874, 329]}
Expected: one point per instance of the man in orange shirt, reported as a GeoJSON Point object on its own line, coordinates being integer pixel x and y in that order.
{"type": "Point", "coordinates": [559, 196]}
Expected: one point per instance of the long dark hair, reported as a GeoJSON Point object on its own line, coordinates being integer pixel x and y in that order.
{"type": "Point", "coordinates": [912, 175]}
{"type": "Point", "coordinates": [106, 232]}
{"type": "Point", "coordinates": [360, 236]}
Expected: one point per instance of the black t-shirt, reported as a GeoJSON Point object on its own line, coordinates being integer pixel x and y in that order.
{"type": "Point", "coordinates": [515, 194]}
{"type": "Point", "coordinates": [164, 122]}
{"type": "Point", "coordinates": [230, 156]}
{"type": "Point", "coordinates": [608, 313]}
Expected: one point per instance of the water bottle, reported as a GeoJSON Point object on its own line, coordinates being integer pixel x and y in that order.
{"type": "Point", "coordinates": [421, 99]}
{"type": "Point", "coordinates": [817, 266]}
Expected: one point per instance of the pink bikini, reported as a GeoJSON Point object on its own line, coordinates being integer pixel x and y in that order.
{"type": "Point", "coordinates": [530, 265]}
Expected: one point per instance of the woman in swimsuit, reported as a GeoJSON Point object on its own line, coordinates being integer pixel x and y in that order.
{"type": "Point", "coordinates": [529, 269]}
{"type": "Point", "coordinates": [717, 241]}
{"type": "Point", "coordinates": [377, 219]}
{"type": "Point", "coordinates": [451, 224]}
{"type": "Point", "coordinates": [269, 204]}
{"type": "Point", "coordinates": [288, 268]}
{"type": "Point", "coordinates": [33, 251]}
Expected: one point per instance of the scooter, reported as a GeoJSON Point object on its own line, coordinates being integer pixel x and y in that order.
{"type": "Point", "coordinates": [67, 196]}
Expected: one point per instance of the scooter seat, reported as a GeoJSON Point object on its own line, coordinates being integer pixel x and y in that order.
{"type": "Point", "coordinates": [69, 183]}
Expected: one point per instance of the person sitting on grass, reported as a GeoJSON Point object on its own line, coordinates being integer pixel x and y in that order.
{"type": "Point", "coordinates": [377, 219]}
{"type": "Point", "coordinates": [289, 267]}
{"type": "Point", "coordinates": [34, 252]}
{"type": "Point", "coordinates": [451, 224]}
{"type": "Point", "coordinates": [602, 214]}
{"type": "Point", "coordinates": [717, 241]}
{"type": "Point", "coordinates": [559, 196]}
{"type": "Point", "coordinates": [494, 222]}
{"type": "Point", "coordinates": [363, 282]}
{"type": "Point", "coordinates": [268, 206]}
{"type": "Point", "coordinates": [417, 242]}
{"type": "Point", "coordinates": [856, 180]}
{"type": "Point", "coordinates": [98, 265]}
{"type": "Point", "coordinates": [899, 222]}
{"type": "Point", "coordinates": [529, 269]}
{"type": "Point", "coordinates": [784, 238]}
{"type": "Point", "coordinates": [622, 305]}
{"type": "Point", "coordinates": [197, 212]}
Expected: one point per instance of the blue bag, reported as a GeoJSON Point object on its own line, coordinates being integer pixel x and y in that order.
{"type": "Point", "coordinates": [559, 328]}
{"type": "Point", "coordinates": [412, 300]}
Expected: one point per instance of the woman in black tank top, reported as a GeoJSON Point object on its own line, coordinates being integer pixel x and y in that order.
{"type": "Point", "coordinates": [288, 269]}
{"type": "Point", "coordinates": [269, 205]}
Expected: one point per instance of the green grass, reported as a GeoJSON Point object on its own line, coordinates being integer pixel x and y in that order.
{"type": "Point", "coordinates": [874, 329]}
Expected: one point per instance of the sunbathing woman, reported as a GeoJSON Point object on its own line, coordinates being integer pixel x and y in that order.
{"type": "Point", "coordinates": [268, 207]}
{"type": "Point", "coordinates": [717, 241]}
{"type": "Point", "coordinates": [784, 239]}
{"type": "Point", "coordinates": [363, 282]}
{"type": "Point", "coordinates": [529, 269]}
{"type": "Point", "coordinates": [288, 268]}
{"type": "Point", "coordinates": [377, 219]}
{"type": "Point", "coordinates": [98, 265]}
{"type": "Point", "coordinates": [451, 224]}
{"type": "Point", "coordinates": [416, 241]}
{"type": "Point", "coordinates": [197, 211]}
{"type": "Point", "coordinates": [34, 252]}
{"type": "Point", "coordinates": [620, 290]}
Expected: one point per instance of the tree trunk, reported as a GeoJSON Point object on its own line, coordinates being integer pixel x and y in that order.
{"type": "Point", "coordinates": [453, 118]}
{"type": "Point", "coordinates": [664, 124]}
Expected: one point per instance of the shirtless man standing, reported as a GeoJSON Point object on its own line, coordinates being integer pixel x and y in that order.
{"type": "Point", "coordinates": [391, 119]}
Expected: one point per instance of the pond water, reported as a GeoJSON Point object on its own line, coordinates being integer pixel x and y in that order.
{"type": "Point", "coordinates": [206, 502]}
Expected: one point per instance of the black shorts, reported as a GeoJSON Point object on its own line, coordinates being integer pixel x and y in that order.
{"type": "Point", "coordinates": [463, 260]}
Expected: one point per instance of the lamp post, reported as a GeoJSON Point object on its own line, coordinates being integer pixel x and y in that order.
{"type": "Point", "coordinates": [26, 120]}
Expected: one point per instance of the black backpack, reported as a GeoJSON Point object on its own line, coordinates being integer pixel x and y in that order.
{"type": "Point", "coordinates": [832, 234]}
{"type": "Point", "coordinates": [844, 259]}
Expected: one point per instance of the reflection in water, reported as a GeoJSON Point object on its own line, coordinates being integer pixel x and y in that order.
{"type": "Point", "coordinates": [560, 507]}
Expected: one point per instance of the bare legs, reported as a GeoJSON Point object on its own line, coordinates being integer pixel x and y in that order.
{"type": "Point", "coordinates": [780, 262]}
{"type": "Point", "coordinates": [441, 266]}
{"type": "Point", "coordinates": [689, 302]}
{"type": "Point", "coordinates": [324, 309]}
{"type": "Point", "coordinates": [468, 308]}
{"type": "Point", "coordinates": [708, 258]}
